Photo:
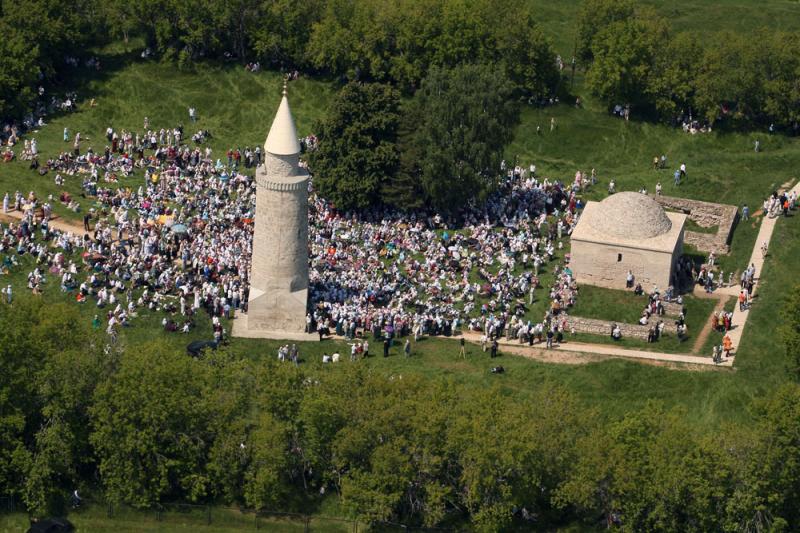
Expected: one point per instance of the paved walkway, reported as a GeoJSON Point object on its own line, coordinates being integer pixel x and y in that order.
{"type": "Point", "coordinates": [605, 350]}
{"type": "Point", "coordinates": [756, 258]}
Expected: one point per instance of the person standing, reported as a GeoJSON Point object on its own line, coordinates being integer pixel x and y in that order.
{"type": "Point", "coordinates": [462, 352]}
{"type": "Point", "coordinates": [757, 146]}
{"type": "Point", "coordinates": [386, 347]}
{"type": "Point", "coordinates": [745, 212]}
{"type": "Point", "coordinates": [407, 348]}
{"type": "Point", "coordinates": [494, 349]}
{"type": "Point", "coordinates": [9, 298]}
{"type": "Point", "coordinates": [683, 170]}
{"type": "Point", "coordinates": [549, 338]}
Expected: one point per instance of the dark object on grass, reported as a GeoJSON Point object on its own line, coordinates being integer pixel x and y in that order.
{"type": "Point", "coordinates": [498, 370]}
{"type": "Point", "coordinates": [195, 349]}
{"type": "Point", "coordinates": [52, 525]}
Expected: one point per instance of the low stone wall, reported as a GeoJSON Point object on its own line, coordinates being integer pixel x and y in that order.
{"type": "Point", "coordinates": [706, 215]}
{"type": "Point", "coordinates": [603, 327]}
{"type": "Point", "coordinates": [672, 308]}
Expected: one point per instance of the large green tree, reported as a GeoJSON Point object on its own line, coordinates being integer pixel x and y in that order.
{"type": "Point", "coordinates": [594, 17]}
{"type": "Point", "coordinates": [357, 151]}
{"type": "Point", "coordinates": [151, 428]}
{"type": "Point", "coordinates": [624, 53]}
{"type": "Point", "coordinates": [465, 119]}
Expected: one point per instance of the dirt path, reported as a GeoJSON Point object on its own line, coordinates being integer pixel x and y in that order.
{"type": "Point", "coordinates": [57, 223]}
{"type": "Point", "coordinates": [703, 336]}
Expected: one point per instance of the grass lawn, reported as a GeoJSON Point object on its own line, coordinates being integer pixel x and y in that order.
{"type": "Point", "coordinates": [237, 107]}
{"type": "Point", "coordinates": [222, 520]}
{"type": "Point", "coordinates": [609, 304]}
{"type": "Point", "coordinates": [698, 311]}
{"type": "Point", "coordinates": [691, 225]}
{"type": "Point", "coordinates": [558, 19]}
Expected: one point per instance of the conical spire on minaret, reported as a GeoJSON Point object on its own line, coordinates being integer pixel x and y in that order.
{"type": "Point", "coordinates": [282, 136]}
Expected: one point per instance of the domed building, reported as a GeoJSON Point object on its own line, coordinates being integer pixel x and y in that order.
{"type": "Point", "coordinates": [626, 231]}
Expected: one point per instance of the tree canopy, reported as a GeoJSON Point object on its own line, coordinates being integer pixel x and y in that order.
{"type": "Point", "coordinates": [357, 145]}
{"type": "Point", "coordinates": [464, 119]}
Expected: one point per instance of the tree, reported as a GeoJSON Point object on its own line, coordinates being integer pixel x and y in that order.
{"type": "Point", "coordinates": [594, 17]}
{"type": "Point", "coordinates": [671, 83]}
{"type": "Point", "coordinates": [466, 118]}
{"type": "Point", "coordinates": [729, 81]}
{"type": "Point", "coordinates": [150, 428]}
{"type": "Point", "coordinates": [624, 53]}
{"type": "Point", "coordinates": [18, 71]}
{"type": "Point", "coordinates": [357, 151]}
{"type": "Point", "coordinates": [650, 472]}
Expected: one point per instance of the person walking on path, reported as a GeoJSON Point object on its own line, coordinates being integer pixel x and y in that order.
{"type": "Point", "coordinates": [727, 345]}
{"type": "Point", "coordinates": [462, 352]}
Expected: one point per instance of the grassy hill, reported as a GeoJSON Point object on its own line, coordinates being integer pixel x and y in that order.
{"type": "Point", "coordinates": [237, 107]}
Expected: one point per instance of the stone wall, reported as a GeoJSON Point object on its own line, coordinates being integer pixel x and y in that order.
{"type": "Point", "coordinates": [706, 215]}
{"type": "Point", "coordinates": [603, 327]}
{"type": "Point", "coordinates": [606, 265]}
{"type": "Point", "coordinates": [672, 308]}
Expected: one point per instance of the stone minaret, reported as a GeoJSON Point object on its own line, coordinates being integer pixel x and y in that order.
{"type": "Point", "coordinates": [279, 270]}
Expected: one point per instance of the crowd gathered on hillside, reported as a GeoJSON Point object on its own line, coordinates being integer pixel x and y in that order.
{"type": "Point", "coordinates": [169, 227]}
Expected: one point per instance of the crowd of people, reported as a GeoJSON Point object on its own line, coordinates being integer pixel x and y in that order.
{"type": "Point", "coordinates": [181, 240]}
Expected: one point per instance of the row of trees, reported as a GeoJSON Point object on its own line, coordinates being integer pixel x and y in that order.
{"type": "Point", "coordinates": [440, 150]}
{"type": "Point", "coordinates": [154, 426]}
{"type": "Point", "coordinates": [395, 42]}
{"type": "Point", "coordinates": [634, 57]}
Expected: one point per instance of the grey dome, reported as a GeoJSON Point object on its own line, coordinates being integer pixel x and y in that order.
{"type": "Point", "coordinates": [631, 215]}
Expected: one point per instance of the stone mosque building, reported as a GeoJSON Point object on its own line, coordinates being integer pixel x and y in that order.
{"type": "Point", "coordinates": [626, 231]}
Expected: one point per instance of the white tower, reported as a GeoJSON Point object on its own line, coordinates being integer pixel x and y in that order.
{"type": "Point", "coordinates": [279, 270]}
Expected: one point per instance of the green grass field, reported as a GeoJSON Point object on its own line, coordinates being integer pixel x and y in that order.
{"type": "Point", "coordinates": [237, 107]}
